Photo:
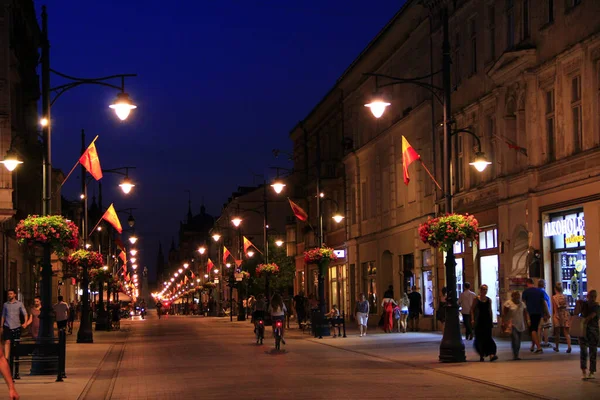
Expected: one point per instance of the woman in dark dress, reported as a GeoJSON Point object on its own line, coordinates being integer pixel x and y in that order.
{"type": "Point", "coordinates": [482, 319]}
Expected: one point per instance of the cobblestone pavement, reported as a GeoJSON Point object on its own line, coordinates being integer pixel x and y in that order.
{"type": "Point", "coordinates": [209, 358]}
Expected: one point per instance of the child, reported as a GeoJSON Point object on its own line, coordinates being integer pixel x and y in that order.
{"type": "Point", "coordinates": [333, 315]}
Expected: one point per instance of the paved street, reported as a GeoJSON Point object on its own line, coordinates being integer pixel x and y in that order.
{"type": "Point", "coordinates": [195, 357]}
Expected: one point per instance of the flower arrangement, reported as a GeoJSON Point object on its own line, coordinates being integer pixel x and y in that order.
{"type": "Point", "coordinates": [209, 285]}
{"type": "Point", "coordinates": [245, 274]}
{"type": "Point", "coordinates": [54, 230]}
{"type": "Point", "coordinates": [442, 232]}
{"type": "Point", "coordinates": [96, 274]}
{"type": "Point", "coordinates": [76, 261]}
{"type": "Point", "coordinates": [318, 255]}
{"type": "Point", "coordinates": [270, 268]}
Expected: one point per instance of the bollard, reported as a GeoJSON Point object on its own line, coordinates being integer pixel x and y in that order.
{"type": "Point", "coordinates": [62, 341]}
{"type": "Point", "coordinates": [14, 355]}
{"type": "Point", "coordinates": [344, 323]}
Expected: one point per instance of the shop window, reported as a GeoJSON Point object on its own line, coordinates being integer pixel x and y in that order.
{"type": "Point", "coordinates": [370, 285]}
{"type": "Point", "coordinates": [333, 287]}
{"type": "Point", "coordinates": [567, 233]}
{"type": "Point", "coordinates": [427, 294]}
{"type": "Point", "coordinates": [459, 276]}
{"type": "Point", "coordinates": [489, 277]}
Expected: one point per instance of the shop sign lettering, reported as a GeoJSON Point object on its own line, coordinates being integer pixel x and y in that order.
{"type": "Point", "coordinates": [574, 239]}
{"type": "Point", "coordinates": [568, 226]}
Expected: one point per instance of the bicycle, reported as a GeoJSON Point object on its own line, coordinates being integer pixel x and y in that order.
{"type": "Point", "coordinates": [260, 331]}
{"type": "Point", "coordinates": [277, 333]}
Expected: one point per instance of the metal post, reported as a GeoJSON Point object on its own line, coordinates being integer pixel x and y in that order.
{"type": "Point", "coordinates": [267, 320]}
{"type": "Point", "coordinates": [85, 334]}
{"type": "Point", "coordinates": [241, 310]}
{"type": "Point", "coordinates": [452, 348]}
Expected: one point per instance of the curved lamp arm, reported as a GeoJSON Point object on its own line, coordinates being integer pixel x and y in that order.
{"type": "Point", "coordinates": [75, 82]}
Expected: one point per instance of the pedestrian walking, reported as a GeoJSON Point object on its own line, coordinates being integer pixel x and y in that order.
{"type": "Point", "coordinates": [14, 317]}
{"type": "Point", "coordinates": [362, 314]}
{"type": "Point", "coordinates": [33, 323]}
{"type": "Point", "coordinates": [534, 303]}
{"type": "Point", "coordinates": [7, 375]}
{"type": "Point", "coordinates": [404, 312]}
{"type": "Point", "coordinates": [299, 305]}
{"type": "Point", "coordinates": [513, 321]}
{"type": "Point", "coordinates": [71, 318]}
{"type": "Point", "coordinates": [415, 309]}
{"type": "Point", "coordinates": [590, 311]}
{"type": "Point", "coordinates": [251, 303]}
{"type": "Point", "coordinates": [388, 305]}
{"type": "Point", "coordinates": [482, 319]}
{"type": "Point", "coordinates": [465, 301]}
{"type": "Point", "coordinates": [546, 321]}
{"type": "Point", "coordinates": [61, 311]}
{"type": "Point", "coordinates": [440, 314]}
{"type": "Point", "coordinates": [560, 317]}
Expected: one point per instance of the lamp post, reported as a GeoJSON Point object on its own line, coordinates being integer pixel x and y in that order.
{"type": "Point", "coordinates": [452, 348]}
{"type": "Point", "coordinates": [121, 105]}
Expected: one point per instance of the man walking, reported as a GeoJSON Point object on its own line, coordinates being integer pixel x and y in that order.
{"type": "Point", "coordinates": [534, 302]}
{"type": "Point", "coordinates": [61, 311]}
{"type": "Point", "coordinates": [415, 309]}
{"type": "Point", "coordinates": [299, 307]}
{"type": "Point", "coordinates": [466, 302]}
{"type": "Point", "coordinates": [11, 320]}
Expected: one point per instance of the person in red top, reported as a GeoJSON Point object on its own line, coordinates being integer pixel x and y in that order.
{"type": "Point", "coordinates": [388, 305]}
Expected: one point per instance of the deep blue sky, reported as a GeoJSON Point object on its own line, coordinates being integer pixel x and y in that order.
{"type": "Point", "coordinates": [220, 84]}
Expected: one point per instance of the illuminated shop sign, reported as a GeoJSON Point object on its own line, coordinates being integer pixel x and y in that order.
{"type": "Point", "coordinates": [340, 253]}
{"type": "Point", "coordinates": [573, 227]}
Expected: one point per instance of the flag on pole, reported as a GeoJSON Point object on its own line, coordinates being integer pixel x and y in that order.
{"type": "Point", "coordinates": [185, 280]}
{"type": "Point", "coordinates": [123, 257]}
{"type": "Point", "coordinates": [111, 217]}
{"type": "Point", "coordinates": [298, 211]}
{"type": "Point", "coordinates": [409, 155]}
{"type": "Point", "coordinates": [193, 275]}
{"type": "Point", "coordinates": [247, 244]}
{"type": "Point", "coordinates": [90, 161]}
{"type": "Point", "coordinates": [119, 244]}
{"type": "Point", "coordinates": [226, 254]}
{"type": "Point", "coordinates": [209, 265]}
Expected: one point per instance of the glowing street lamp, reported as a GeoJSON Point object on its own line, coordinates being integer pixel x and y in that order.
{"type": "Point", "coordinates": [279, 242]}
{"type": "Point", "coordinates": [378, 105]}
{"type": "Point", "coordinates": [133, 259]}
{"type": "Point", "coordinates": [126, 185]}
{"type": "Point", "coordinates": [186, 265]}
{"type": "Point", "coordinates": [123, 106]}
{"type": "Point", "coordinates": [338, 217]}
{"type": "Point", "coordinates": [250, 253]}
{"type": "Point", "coordinates": [480, 162]}
{"type": "Point", "coordinates": [236, 221]}
{"type": "Point", "coordinates": [278, 186]}
{"type": "Point", "coordinates": [11, 161]}
{"type": "Point", "coordinates": [180, 270]}
{"type": "Point", "coordinates": [133, 239]}
{"type": "Point", "coordinates": [133, 252]}
{"type": "Point", "coordinates": [216, 237]}
{"type": "Point", "coordinates": [202, 250]}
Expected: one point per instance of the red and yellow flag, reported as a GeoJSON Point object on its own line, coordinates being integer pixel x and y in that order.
{"type": "Point", "coordinates": [298, 211]}
{"type": "Point", "coordinates": [209, 265]}
{"type": "Point", "coordinates": [123, 257]}
{"type": "Point", "coordinates": [247, 244]}
{"type": "Point", "coordinates": [226, 254]}
{"type": "Point", "coordinates": [111, 217]}
{"type": "Point", "coordinates": [89, 159]}
{"type": "Point", "coordinates": [409, 155]}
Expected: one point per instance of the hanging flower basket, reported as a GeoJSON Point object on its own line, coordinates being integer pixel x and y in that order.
{"type": "Point", "coordinates": [55, 230]}
{"type": "Point", "coordinates": [245, 274]}
{"type": "Point", "coordinates": [76, 261]}
{"type": "Point", "coordinates": [270, 268]}
{"type": "Point", "coordinates": [98, 274]}
{"type": "Point", "coordinates": [322, 255]}
{"type": "Point", "coordinates": [443, 232]}
{"type": "Point", "coordinates": [209, 285]}
{"type": "Point", "coordinates": [114, 283]}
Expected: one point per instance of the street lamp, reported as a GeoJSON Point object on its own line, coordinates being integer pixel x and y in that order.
{"type": "Point", "coordinates": [337, 217]}
{"type": "Point", "coordinates": [11, 160]}
{"type": "Point", "coordinates": [133, 239]}
{"type": "Point", "coordinates": [278, 186]}
{"type": "Point", "coordinates": [378, 104]}
{"type": "Point", "coordinates": [126, 185]}
{"type": "Point", "coordinates": [480, 162]}
{"type": "Point", "coordinates": [202, 250]}
{"type": "Point", "coordinates": [236, 221]}
{"type": "Point", "coordinates": [250, 253]}
{"type": "Point", "coordinates": [133, 252]}
{"type": "Point", "coordinates": [216, 237]}
{"type": "Point", "coordinates": [279, 242]}
{"type": "Point", "coordinates": [123, 106]}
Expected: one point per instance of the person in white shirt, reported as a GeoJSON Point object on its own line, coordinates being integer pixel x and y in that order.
{"type": "Point", "coordinates": [466, 302]}
{"type": "Point", "coordinates": [514, 315]}
{"type": "Point", "coordinates": [278, 311]}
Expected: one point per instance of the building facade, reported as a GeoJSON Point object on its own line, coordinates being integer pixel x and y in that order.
{"type": "Point", "coordinates": [526, 81]}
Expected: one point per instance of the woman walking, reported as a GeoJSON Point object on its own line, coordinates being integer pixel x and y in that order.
{"type": "Point", "coordinates": [481, 315]}
{"type": "Point", "coordinates": [590, 310]}
{"type": "Point", "coordinates": [33, 322]}
{"type": "Point", "coordinates": [440, 314]}
{"type": "Point", "coordinates": [404, 312]}
{"type": "Point", "coordinates": [388, 314]}
{"type": "Point", "coordinates": [514, 320]}
{"type": "Point", "coordinates": [560, 317]}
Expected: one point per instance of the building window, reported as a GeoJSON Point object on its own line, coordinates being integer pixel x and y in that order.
{"type": "Point", "coordinates": [473, 29]}
{"type": "Point", "coordinates": [576, 113]}
{"type": "Point", "coordinates": [491, 32]}
{"type": "Point", "coordinates": [510, 24]}
{"type": "Point", "coordinates": [456, 61]}
{"type": "Point", "coordinates": [550, 11]}
{"type": "Point", "coordinates": [525, 19]}
{"type": "Point", "coordinates": [370, 285]}
{"type": "Point", "coordinates": [489, 266]}
{"type": "Point", "coordinates": [488, 239]}
{"type": "Point", "coordinates": [550, 135]}
{"type": "Point", "coordinates": [460, 177]}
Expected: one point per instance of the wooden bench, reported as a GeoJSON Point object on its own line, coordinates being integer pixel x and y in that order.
{"type": "Point", "coordinates": [53, 351]}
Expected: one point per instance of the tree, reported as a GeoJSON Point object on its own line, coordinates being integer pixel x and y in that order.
{"type": "Point", "coordinates": [283, 282]}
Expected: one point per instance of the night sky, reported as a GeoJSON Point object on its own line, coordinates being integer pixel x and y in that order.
{"type": "Point", "coordinates": [220, 84]}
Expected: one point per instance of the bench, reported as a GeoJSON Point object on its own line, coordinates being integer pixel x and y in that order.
{"type": "Point", "coordinates": [339, 323]}
{"type": "Point", "coordinates": [52, 351]}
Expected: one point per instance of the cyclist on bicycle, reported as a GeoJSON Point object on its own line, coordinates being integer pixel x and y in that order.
{"type": "Point", "coordinates": [158, 308]}
{"type": "Point", "coordinates": [259, 310]}
{"type": "Point", "coordinates": [278, 311]}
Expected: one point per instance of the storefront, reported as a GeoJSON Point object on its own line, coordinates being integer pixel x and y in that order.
{"type": "Point", "coordinates": [564, 239]}
{"type": "Point", "coordinates": [489, 263]}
